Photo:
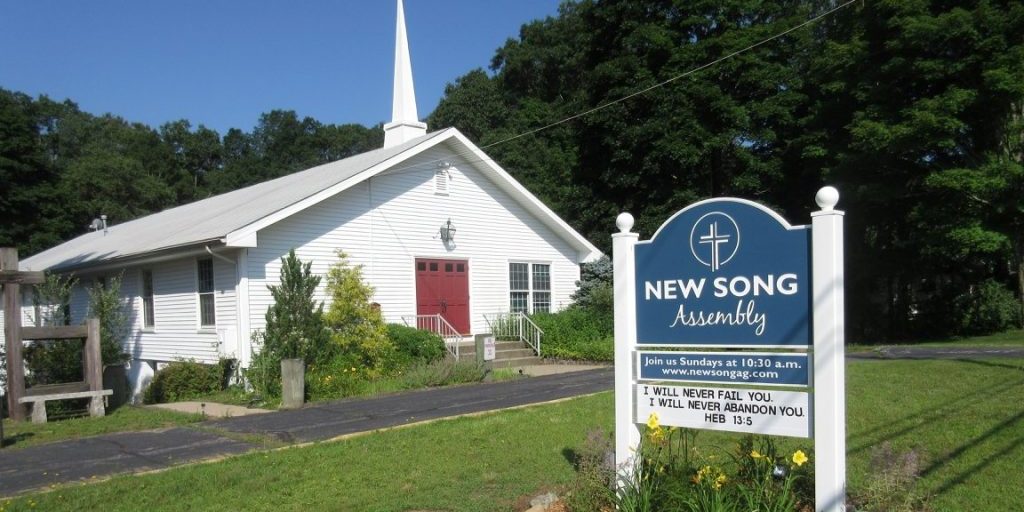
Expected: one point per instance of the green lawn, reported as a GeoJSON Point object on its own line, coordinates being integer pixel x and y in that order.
{"type": "Point", "coordinates": [125, 419]}
{"type": "Point", "coordinates": [965, 417]}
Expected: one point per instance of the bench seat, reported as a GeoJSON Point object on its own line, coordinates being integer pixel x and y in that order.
{"type": "Point", "coordinates": [39, 395]}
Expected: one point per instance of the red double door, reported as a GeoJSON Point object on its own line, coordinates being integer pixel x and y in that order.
{"type": "Point", "coordinates": [442, 287]}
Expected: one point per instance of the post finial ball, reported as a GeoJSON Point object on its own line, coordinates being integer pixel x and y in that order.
{"type": "Point", "coordinates": [624, 222]}
{"type": "Point", "coordinates": [827, 198]}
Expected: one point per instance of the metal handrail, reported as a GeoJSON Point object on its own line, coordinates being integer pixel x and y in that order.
{"type": "Point", "coordinates": [438, 325]}
{"type": "Point", "coordinates": [515, 327]}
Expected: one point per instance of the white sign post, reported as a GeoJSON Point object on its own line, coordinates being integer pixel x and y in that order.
{"type": "Point", "coordinates": [829, 353]}
{"type": "Point", "coordinates": [627, 434]}
{"type": "Point", "coordinates": [767, 309]}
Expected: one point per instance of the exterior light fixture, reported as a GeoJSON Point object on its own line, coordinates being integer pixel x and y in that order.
{"type": "Point", "coordinates": [448, 232]}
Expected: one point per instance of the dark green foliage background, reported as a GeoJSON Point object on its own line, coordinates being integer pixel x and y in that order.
{"type": "Point", "coordinates": [912, 109]}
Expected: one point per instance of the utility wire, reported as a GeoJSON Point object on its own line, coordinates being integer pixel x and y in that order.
{"type": "Point", "coordinates": [636, 93]}
{"type": "Point", "coordinates": [673, 79]}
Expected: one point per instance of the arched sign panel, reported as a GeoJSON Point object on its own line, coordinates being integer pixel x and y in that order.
{"type": "Point", "coordinates": [724, 273]}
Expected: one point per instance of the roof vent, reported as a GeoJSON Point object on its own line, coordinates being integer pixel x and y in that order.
{"type": "Point", "coordinates": [98, 224]}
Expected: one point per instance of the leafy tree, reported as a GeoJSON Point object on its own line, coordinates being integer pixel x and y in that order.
{"type": "Point", "coordinates": [107, 305]}
{"type": "Point", "coordinates": [356, 323]}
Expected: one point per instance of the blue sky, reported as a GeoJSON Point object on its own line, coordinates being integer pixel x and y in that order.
{"type": "Point", "coordinates": [222, 63]}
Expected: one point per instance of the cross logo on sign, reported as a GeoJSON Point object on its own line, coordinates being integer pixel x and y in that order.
{"type": "Point", "coordinates": [714, 240]}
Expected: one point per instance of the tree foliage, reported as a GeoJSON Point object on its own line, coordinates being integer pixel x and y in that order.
{"type": "Point", "coordinates": [356, 323]}
{"type": "Point", "coordinates": [912, 109]}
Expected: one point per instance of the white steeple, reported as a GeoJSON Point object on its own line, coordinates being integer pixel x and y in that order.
{"type": "Point", "coordinates": [405, 124]}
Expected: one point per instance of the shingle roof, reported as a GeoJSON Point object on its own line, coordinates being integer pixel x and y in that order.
{"type": "Point", "coordinates": [210, 219]}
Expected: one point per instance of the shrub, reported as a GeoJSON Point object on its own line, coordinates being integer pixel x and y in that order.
{"type": "Point", "coordinates": [338, 377]}
{"type": "Point", "coordinates": [442, 373]}
{"type": "Point", "coordinates": [577, 333]}
{"type": "Point", "coordinates": [184, 380]}
{"type": "Point", "coordinates": [357, 326]}
{"type": "Point", "coordinates": [295, 328]}
{"type": "Point", "coordinates": [989, 308]}
{"type": "Point", "coordinates": [56, 361]}
{"type": "Point", "coordinates": [595, 287]}
{"type": "Point", "coordinates": [415, 344]}
{"type": "Point", "coordinates": [295, 322]}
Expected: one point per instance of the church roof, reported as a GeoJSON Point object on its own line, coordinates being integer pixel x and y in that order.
{"type": "Point", "coordinates": [210, 220]}
{"type": "Point", "coordinates": [233, 218]}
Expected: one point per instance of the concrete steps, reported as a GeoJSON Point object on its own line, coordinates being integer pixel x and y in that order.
{"type": "Point", "coordinates": [507, 354]}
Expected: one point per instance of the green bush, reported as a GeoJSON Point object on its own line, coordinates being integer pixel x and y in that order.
{"type": "Point", "coordinates": [339, 377]}
{"type": "Point", "coordinates": [415, 344]}
{"type": "Point", "coordinates": [356, 325]}
{"type": "Point", "coordinates": [576, 333]}
{"type": "Point", "coordinates": [990, 308]}
{"type": "Point", "coordinates": [184, 380]}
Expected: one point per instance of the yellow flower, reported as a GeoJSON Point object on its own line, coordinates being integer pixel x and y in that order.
{"type": "Point", "coordinates": [656, 434]}
{"type": "Point", "coordinates": [756, 454]}
{"type": "Point", "coordinates": [799, 458]}
{"type": "Point", "coordinates": [652, 421]}
{"type": "Point", "coordinates": [720, 481]}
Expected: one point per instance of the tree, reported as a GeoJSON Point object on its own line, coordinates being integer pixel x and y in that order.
{"type": "Point", "coordinates": [356, 323]}
{"type": "Point", "coordinates": [295, 321]}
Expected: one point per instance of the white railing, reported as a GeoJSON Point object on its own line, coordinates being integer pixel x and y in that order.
{"type": "Point", "coordinates": [515, 327]}
{"type": "Point", "coordinates": [438, 325]}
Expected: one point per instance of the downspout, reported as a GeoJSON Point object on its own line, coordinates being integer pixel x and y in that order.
{"type": "Point", "coordinates": [218, 256]}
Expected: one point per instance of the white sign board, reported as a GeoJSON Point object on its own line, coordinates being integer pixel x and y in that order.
{"type": "Point", "coordinates": [490, 352]}
{"type": "Point", "coordinates": [773, 412]}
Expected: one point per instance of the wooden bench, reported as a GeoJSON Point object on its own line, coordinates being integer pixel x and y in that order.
{"type": "Point", "coordinates": [39, 395]}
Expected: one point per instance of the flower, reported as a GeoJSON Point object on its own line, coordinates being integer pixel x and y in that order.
{"type": "Point", "coordinates": [720, 481]}
{"type": "Point", "coordinates": [652, 421]}
{"type": "Point", "coordinates": [799, 458]}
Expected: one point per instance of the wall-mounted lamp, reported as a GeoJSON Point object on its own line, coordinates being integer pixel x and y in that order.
{"type": "Point", "coordinates": [448, 232]}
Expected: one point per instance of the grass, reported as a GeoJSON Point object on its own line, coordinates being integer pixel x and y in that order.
{"type": "Point", "coordinates": [965, 417]}
{"type": "Point", "coordinates": [468, 464]}
{"type": "Point", "coordinates": [125, 419]}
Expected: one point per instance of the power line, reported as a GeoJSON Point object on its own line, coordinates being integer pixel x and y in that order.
{"type": "Point", "coordinates": [646, 89]}
{"type": "Point", "coordinates": [673, 79]}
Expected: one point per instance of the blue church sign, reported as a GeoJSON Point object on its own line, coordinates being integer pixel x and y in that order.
{"type": "Point", "coordinates": [724, 273]}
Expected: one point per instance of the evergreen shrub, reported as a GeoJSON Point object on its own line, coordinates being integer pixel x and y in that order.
{"type": "Point", "coordinates": [184, 380]}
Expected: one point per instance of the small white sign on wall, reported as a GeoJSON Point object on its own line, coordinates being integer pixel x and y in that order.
{"type": "Point", "coordinates": [490, 349]}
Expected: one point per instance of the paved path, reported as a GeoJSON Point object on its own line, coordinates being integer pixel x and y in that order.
{"type": "Point", "coordinates": [937, 353]}
{"type": "Point", "coordinates": [37, 467]}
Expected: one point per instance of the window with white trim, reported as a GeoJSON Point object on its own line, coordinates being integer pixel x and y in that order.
{"type": "Point", "coordinates": [148, 312]}
{"type": "Point", "coordinates": [207, 304]}
{"type": "Point", "coordinates": [529, 287]}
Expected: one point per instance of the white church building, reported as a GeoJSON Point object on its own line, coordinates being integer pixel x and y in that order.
{"type": "Point", "coordinates": [438, 227]}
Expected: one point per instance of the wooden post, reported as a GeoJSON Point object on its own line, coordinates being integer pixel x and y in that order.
{"type": "Point", "coordinates": [94, 366]}
{"type": "Point", "coordinates": [12, 278]}
{"type": "Point", "coordinates": [12, 336]}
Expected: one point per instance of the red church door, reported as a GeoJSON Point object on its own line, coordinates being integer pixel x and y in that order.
{"type": "Point", "coordinates": [442, 287]}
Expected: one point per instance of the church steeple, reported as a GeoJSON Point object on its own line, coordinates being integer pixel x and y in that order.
{"type": "Point", "coordinates": [405, 124]}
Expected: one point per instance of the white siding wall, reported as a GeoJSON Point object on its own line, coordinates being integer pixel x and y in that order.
{"type": "Point", "coordinates": [176, 333]}
{"type": "Point", "coordinates": [388, 221]}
